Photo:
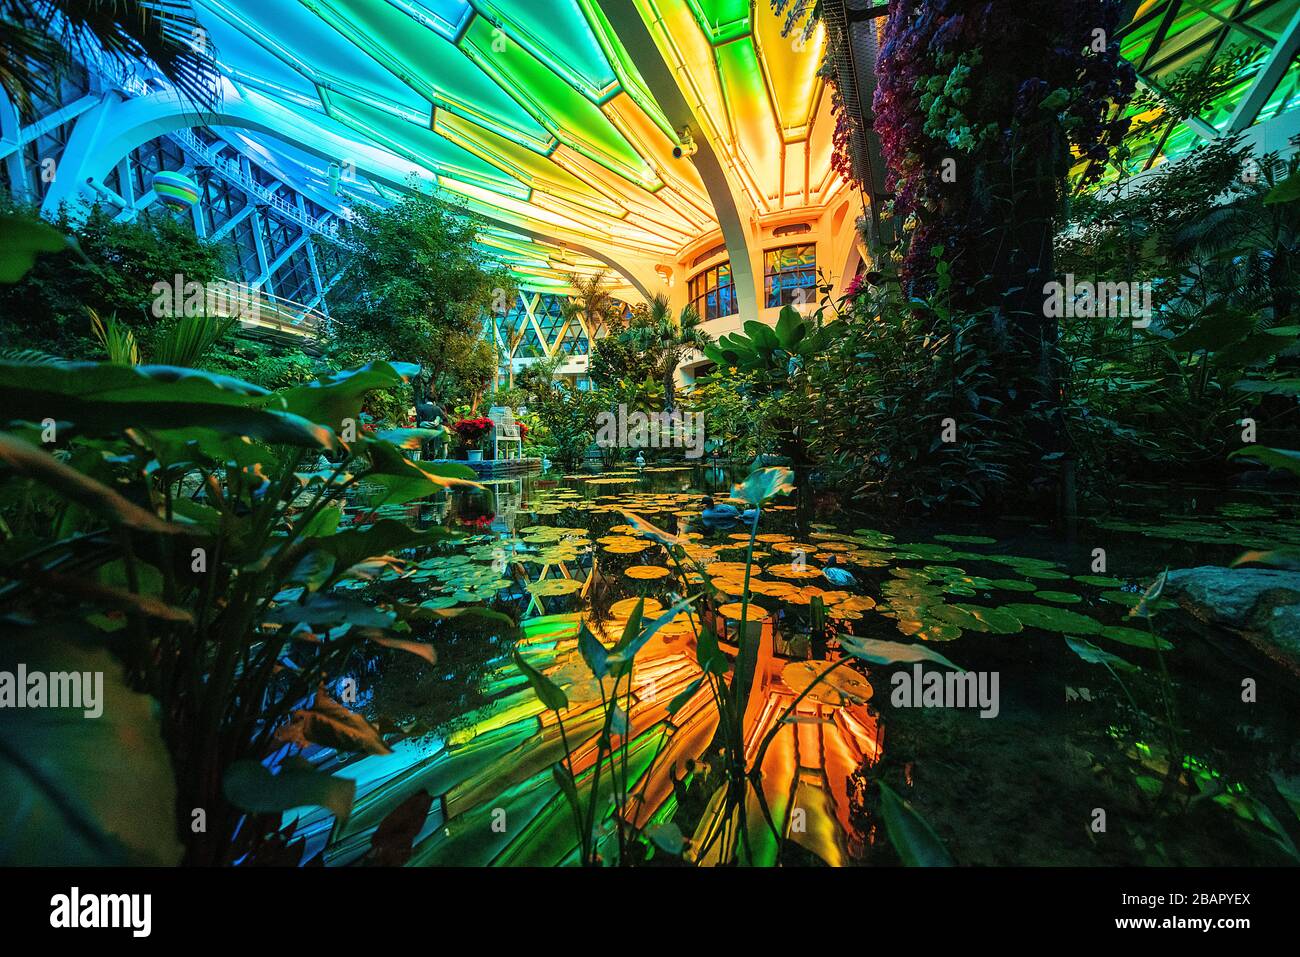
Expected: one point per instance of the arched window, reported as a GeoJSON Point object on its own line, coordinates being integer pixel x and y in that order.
{"type": "Point", "coordinates": [713, 292]}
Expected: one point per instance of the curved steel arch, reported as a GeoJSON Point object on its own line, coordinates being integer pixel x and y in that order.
{"type": "Point", "coordinates": [135, 121]}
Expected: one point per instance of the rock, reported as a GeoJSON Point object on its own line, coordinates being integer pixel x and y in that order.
{"type": "Point", "coordinates": [1263, 604]}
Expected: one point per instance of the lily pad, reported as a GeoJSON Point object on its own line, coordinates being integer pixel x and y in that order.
{"type": "Point", "coordinates": [1135, 637]}
{"type": "Point", "coordinates": [1060, 597]}
{"type": "Point", "coordinates": [1051, 618]}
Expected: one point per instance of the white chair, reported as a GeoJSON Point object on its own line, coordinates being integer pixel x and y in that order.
{"type": "Point", "coordinates": [505, 431]}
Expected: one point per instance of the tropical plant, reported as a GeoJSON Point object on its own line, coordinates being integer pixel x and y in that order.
{"type": "Point", "coordinates": [96, 263]}
{"type": "Point", "coordinates": [42, 39]}
{"type": "Point", "coordinates": [416, 289]}
{"type": "Point", "coordinates": [569, 417]}
{"type": "Point", "coordinates": [593, 299]}
{"type": "Point", "coordinates": [187, 524]}
{"type": "Point", "coordinates": [776, 364]}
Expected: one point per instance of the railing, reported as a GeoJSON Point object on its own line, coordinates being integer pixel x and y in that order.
{"type": "Point", "coordinates": [327, 226]}
{"type": "Point", "coordinates": [257, 309]}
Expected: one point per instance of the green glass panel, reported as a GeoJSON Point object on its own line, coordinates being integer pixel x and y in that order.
{"type": "Point", "coordinates": [576, 120]}
{"type": "Point", "coordinates": [428, 63]}
{"type": "Point", "coordinates": [721, 20]}
{"type": "Point", "coordinates": [422, 146]}
{"type": "Point", "coordinates": [557, 32]}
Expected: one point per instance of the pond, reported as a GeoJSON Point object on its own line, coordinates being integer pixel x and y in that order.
{"type": "Point", "coordinates": [1053, 747]}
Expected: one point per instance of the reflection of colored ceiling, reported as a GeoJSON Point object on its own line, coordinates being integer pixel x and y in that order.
{"type": "Point", "coordinates": [535, 114]}
{"type": "Point", "coordinates": [499, 761]}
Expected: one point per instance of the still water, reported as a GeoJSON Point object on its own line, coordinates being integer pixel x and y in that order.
{"type": "Point", "coordinates": [1054, 751]}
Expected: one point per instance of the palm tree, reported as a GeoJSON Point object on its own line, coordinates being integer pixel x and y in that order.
{"type": "Point", "coordinates": [667, 339]}
{"type": "Point", "coordinates": [593, 301]}
{"type": "Point", "coordinates": [42, 38]}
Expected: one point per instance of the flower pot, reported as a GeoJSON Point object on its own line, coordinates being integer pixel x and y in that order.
{"type": "Point", "coordinates": [474, 455]}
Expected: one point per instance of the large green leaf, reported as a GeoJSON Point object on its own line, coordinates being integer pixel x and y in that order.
{"type": "Point", "coordinates": [337, 398]}
{"type": "Point", "coordinates": [1288, 459]}
{"type": "Point", "coordinates": [548, 692]}
{"type": "Point", "coordinates": [97, 498]}
{"type": "Point", "coordinates": [250, 786]}
{"type": "Point", "coordinates": [1287, 191]}
{"type": "Point", "coordinates": [101, 398]}
{"type": "Point", "coordinates": [22, 238]}
{"type": "Point", "coordinates": [791, 328]}
{"type": "Point", "coordinates": [81, 791]}
{"type": "Point", "coordinates": [404, 480]}
{"type": "Point", "coordinates": [763, 484]}
{"type": "Point", "coordinates": [912, 836]}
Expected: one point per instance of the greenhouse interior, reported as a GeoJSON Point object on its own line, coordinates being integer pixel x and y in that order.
{"type": "Point", "coordinates": [649, 433]}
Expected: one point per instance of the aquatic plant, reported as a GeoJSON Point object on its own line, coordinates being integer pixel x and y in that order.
{"type": "Point", "coordinates": [190, 522]}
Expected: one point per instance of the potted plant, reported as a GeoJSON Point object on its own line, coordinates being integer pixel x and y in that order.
{"type": "Point", "coordinates": [471, 432]}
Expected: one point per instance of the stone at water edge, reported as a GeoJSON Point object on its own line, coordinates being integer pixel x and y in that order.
{"type": "Point", "coordinates": [1263, 604]}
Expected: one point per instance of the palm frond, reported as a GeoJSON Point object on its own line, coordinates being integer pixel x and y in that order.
{"type": "Point", "coordinates": [42, 38]}
{"type": "Point", "coordinates": [191, 339]}
{"type": "Point", "coordinates": [117, 340]}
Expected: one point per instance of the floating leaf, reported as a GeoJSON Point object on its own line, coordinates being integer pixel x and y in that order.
{"type": "Point", "coordinates": [1135, 637]}
{"type": "Point", "coordinates": [831, 683]}
{"type": "Point", "coordinates": [251, 786]}
{"type": "Point", "coordinates": [1051, 618]}
{"type": "Point", "coordinates": [1060, 597]}
{"type": "Point", "coordinates": [891, 652]}
{"type": "Point", "coordinates": [1097, 656]}
{"type": "Point", "coordinates": [912, 836]}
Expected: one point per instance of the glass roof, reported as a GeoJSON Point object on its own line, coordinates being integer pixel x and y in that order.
{"type": "Point", "coordinates": [536, 115]}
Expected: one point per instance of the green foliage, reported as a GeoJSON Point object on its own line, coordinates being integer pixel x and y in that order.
{"type": "Point", "coordinates": [416, 291]}
{"type": "Point", "coordinates": [569, 417]}
{"type": "Point", "coordinates": [1224, 264]}
{"type": "Point", "coordinates": [269, 366]}
{"type": "Point", "coordinates": [649, 348]}
{"type": "Point", "coordinates": [102, 265]}
{"type": "Point", "coordinates": [95, 791]}
{"type": "Point", "coordinates": [736, 424]}
{"type": "Point", "coordinates": [200, 511]}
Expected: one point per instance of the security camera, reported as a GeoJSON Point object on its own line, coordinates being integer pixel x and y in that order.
{"type": "Point", "coordinates": [687, 145]}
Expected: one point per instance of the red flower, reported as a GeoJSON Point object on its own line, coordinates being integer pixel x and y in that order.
{"type": "Point", "coordinates": [471, 430]}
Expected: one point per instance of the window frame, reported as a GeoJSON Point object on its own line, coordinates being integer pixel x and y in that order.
{"type": "Point", "coordinates": [785, 295]}
{"type": "Point", "coordinates": [699, 289]}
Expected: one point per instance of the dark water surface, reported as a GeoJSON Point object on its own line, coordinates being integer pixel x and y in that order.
{"type": "Point", "coordinates": [1069, 765]}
